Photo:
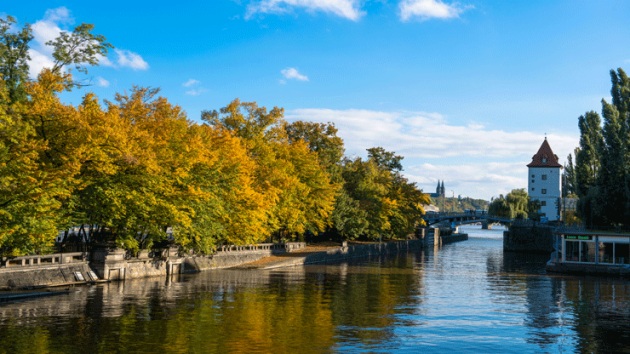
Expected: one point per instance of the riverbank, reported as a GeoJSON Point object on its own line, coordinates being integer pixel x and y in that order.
{"type": "Point", "coordinates": [36, 272]}
{"type": "Point", "coordinates": [70, 269]}
{"type": "Point", "coordinates": [317, 254]}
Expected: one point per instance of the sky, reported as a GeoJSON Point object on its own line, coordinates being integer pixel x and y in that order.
{"type": "Point", "coordinates": [465, 91]}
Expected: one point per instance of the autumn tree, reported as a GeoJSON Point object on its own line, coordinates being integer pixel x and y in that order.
{"type": "Point", "coordinates": [296, 188]}
{"type": "Point", "coordinates": [40, 147]}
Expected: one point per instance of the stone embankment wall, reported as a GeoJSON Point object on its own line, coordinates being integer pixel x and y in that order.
{"type": "Point", "coordinates": [529, 238]}
{"type": "Point", "coordinates": [45, 271]}
{"type": "Point", "coordinates": [232, 256]}
{"type": "Point", "coordinates": [112, 264]}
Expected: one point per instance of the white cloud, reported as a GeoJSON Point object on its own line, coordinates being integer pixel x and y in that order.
{"type": "Point", "coordinates": [131, 60]}
{"type": "Point", "coordinates": [473, 160]}
{"type": "Point", "coordinates": [194, 88]}
{"type": "Point", "coordinates": [482, 180]}
{"type": "Point", "coordinates": [101, 82]}
{"type": "Point", "coordinates": [427, 9]}
{"type": "Point", "coordinates": [104, 61]}
{"type": "Point", "coordinates": [196, 91]}
{"type": "Point", "coordinates": [349, 9]}
{"type": "Point", "coordinates": [45, 30]}
{"type": "Point", "coordinates": [191, 82]}
{"type": "Point", "coordinates": [38, 62]}
{"type": "Point", "coordinates": [293, 74]}
{"type": "Point", "coordinates": [58, 15]}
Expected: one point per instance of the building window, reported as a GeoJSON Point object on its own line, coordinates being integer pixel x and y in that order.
{"type": "Point", "coordinates": [543, 203]}
{"type": "Point", "coordinates": [533, 189]}
{"type": "Point", "coordinates": [544, 177]}
{"type": "Point", "coordinates": [543, 191]}
{"type": "Point", "coordinates": [533, 176]}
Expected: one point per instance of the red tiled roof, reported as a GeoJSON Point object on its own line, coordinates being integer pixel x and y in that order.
{"type": "Point", "coordinates": [545, 157]}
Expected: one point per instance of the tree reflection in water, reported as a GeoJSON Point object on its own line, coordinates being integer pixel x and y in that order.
{"type": "Point", "coordinates": [465, 297]}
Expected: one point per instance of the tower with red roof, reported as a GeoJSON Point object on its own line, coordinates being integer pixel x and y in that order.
{"type": "Point", "coordinates": [544, 182]}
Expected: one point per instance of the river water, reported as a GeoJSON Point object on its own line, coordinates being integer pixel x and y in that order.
{"type": "Point", "coordinates": [464, 297]}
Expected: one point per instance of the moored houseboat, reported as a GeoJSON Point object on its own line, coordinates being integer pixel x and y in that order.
{"type": "Point", "coordinates": [591, 253]}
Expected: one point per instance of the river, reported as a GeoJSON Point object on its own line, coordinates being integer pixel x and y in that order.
{"type": "Point", "coordinates": [467, 297]}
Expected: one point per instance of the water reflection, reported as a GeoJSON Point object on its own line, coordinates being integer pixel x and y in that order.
{"type": "Point", "coordinates": [464, 297]}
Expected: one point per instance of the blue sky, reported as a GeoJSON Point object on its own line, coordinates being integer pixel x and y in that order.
{"type": "Point", "coordinates": [466, 91]}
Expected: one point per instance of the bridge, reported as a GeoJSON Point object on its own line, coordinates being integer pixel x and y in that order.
{"type": "Point", "coordinates": [462, 218]}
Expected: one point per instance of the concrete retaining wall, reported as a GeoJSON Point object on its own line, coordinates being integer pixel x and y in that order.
{"type": "Point", "coordinates": [363, 250]}
{"type": "Point", "coordinates": [224, 260]}
{"type": "Point", "coordinates": [44, 276]}
{"type": "Point", "coordinates": [536, 239]}
{"type": "Point", "coordinates": [351, 251]}
{"type": "Point", "coordinates": [112, 264]}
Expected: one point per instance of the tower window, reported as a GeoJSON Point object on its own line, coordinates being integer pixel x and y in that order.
{"type": "Point", "coordinates": [543, 203]}
{"type": "Point", "coordinates": [543, 191]}
{"type": "Point", "coordinates": [544, 177]}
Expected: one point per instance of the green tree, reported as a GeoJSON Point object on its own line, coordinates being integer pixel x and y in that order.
{"type": "Point", "coordinates": [515, 205]}
{"type": "Point", "coordinates": [602, 167]}
{"type": "Point", "coordinates": [322, 139]}
{"type": "Point", "coordinates": [14, 58]}
{"type": "Point", "coordinates": [368, 184]}
{"type": "Point", "coordinates": [587, 164]}
{"type": "Point", "coordinates": [615, 153]}
{"type": "Point", "coordinates": [390, 205]}
{"type": "Point", "coordinates": [569, 180]}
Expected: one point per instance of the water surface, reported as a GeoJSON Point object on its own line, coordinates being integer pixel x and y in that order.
{"type": "Point", "coordinates": [463, 297]}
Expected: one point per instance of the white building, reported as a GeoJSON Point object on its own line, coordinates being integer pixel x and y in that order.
{"type": "Point", "coordinates": [544, 182]}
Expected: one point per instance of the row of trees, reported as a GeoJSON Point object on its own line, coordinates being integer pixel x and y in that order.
{"type": "Point", "coordinates": [133, 167]}
{"type": "Point", "coordinates": [459, 204]}
{"type": "Point", "coordinates": [600, 177]}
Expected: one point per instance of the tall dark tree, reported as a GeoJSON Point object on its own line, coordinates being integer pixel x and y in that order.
{"type": "Point", "coordinates": [602, 169]}
{"type": "Point", "coordinates": [569, 180]}
{"type": "Point", "coordinates": [587, 164]}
